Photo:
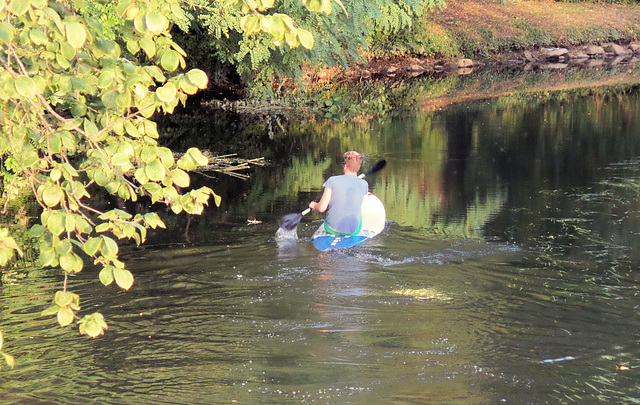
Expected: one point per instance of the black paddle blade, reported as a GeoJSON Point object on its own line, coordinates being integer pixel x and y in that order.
{"type": "Point", "coordinates": [290, 221]}
{"type": "Point", "coordinates": [376, 166]}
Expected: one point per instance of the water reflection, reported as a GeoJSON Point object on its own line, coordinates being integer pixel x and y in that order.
{"type": "Point", "coordinates": [523, 215]}
{"type": "Point", "coordinates": [453, 172]}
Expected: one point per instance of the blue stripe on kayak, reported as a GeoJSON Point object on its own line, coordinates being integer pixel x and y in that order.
{"type": "Point", "coordinates": [327, 242]}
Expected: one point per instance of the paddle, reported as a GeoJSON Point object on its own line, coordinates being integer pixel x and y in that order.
{"type": "Point", "coordinates": [290, 221]}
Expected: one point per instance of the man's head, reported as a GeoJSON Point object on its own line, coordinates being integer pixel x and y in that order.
{"type": "Point", "coordinates": [352, 160]}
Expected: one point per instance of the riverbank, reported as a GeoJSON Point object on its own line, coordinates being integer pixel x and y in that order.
{"type": "Point", "coordinates": [492, 30]}
{"type": "Point", "coordinates": [468, 51]}
{"type": "Point", "coordinates": [482, 39]}
{"type": "Point", "coordinates": [488, 33]}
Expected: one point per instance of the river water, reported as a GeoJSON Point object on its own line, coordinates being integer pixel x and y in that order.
{"type": "Point", "coordinates": [507, 273]}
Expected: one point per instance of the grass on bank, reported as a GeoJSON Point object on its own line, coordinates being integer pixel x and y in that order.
{"type": "Point", "coordinates": [487, 28]}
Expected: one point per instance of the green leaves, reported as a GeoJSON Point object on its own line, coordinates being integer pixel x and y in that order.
{"type": "Point", "coordinates": [92, 246]}
{"type": "Point", "coordinates": [155, 23]}
{"type": "Point", "coordinates": [322, 6]}
{"type": "Point", "coordinates": [6, 32]}
{"type": "Point", "coordinates": [75, 33]}
{"type": "Point", "coordinates": [155, 170]}
{"type": "Point", "coordinates": [106, 275]}
{"type": "Point", "coordinates": [192, 81]}
{"type": "Point", "coordinates": [51, 195]}
{"type": "Point", "coordinates": [19, 7]}
{"type": "Point", "coordinates": [281, 27]}
{"type": "Point", "coordinates": [53, 221]}
{"type": "Point", "coordinates": [198, 78]}
{"type": "Point", "coordinates": [170, 60]}
{"type": "Point", "coordinates": [71, 262]}
{"type": "Point", "coordinates": [251, 23]}
{"type": "Point", "coordinates": [192, 159]}
{"type": "Point", "coordinates": [106, 79]}
{"type": "Point", "coordinates": [123, 278]}
{"type": "Point", "coordinates": [38, 37]}
{"type": "Point", "coordinates": [167, 93]}
{"type": "Point", "coordinates": [336, 38]}
{"type": "Point", "coordinates": [121, 160]}
{"type": "Point", "coordinates": [64, 298]}
{"type": "Point", "coordinates": [64, 305]}
{"type": "Point", "coordinates": [76, 116]}
{"type": "Point", "coordinates": [153, 220]}
{"type": "Point", "coordinates": [147, 45]}
{"type": "Point", "coordinates": [8, 247]}
{"type": "Point", "coordinates": [180, 178]}
{"type": "Point", "coordinates": [93, 325]}
{"type": "Point", "coordinates": [25, 86]}
{"type": "Point", "coordinates": [305, 38]}
{"type": "Point", "coordinates": [65, 316]}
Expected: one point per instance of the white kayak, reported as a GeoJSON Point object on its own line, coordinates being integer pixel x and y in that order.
{"type": "Point", "coordinates": [373, 222]}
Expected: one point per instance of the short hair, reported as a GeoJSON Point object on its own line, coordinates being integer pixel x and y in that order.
{"type": "Point", "coordinates": [353, 160]}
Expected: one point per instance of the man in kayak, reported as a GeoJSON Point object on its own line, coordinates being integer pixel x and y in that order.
{"type": "Point", "coordinates": [342, 198]}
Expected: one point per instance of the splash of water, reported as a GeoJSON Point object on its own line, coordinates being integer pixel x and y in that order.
{"type": "Point", "coordinates": [283, 234]}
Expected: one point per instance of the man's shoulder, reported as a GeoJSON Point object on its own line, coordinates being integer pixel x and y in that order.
{"type": "Point", "coordinates": [344, 179]}
{"type": "Point", "coordinates": [348, 177]}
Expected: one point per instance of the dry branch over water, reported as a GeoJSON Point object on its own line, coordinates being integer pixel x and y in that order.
{"type": "Point", "coordinates": [230, 165]}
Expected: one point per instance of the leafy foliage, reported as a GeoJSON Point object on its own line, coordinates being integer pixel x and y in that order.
{"type": "Point", "coordinates": [340, 35]}
{"type": "Point", "coordinates": [8, 247]}
{"type": "Point", "coordinates": [413, 41]}
{"type": "Point", "coordinates": [80, 82]}
{"type": "Point", "coordinates": [105, 13]}
{"type": "Point", "coordinates": [76, 115]}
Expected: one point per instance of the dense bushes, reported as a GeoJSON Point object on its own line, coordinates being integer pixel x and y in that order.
{"type": "Point", "coordinates": [216, 39]}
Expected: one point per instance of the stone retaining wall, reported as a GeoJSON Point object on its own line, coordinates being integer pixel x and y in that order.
{"type": "Point", "coordinates": [610, 54]}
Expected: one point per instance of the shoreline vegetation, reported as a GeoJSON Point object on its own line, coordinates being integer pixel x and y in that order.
{"type": "Point", "coordinates": [496, 34]}
{"type": "Point", "coordinates": [480, 36]}
{"type": "Point", "coordinates": [477, 41]}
